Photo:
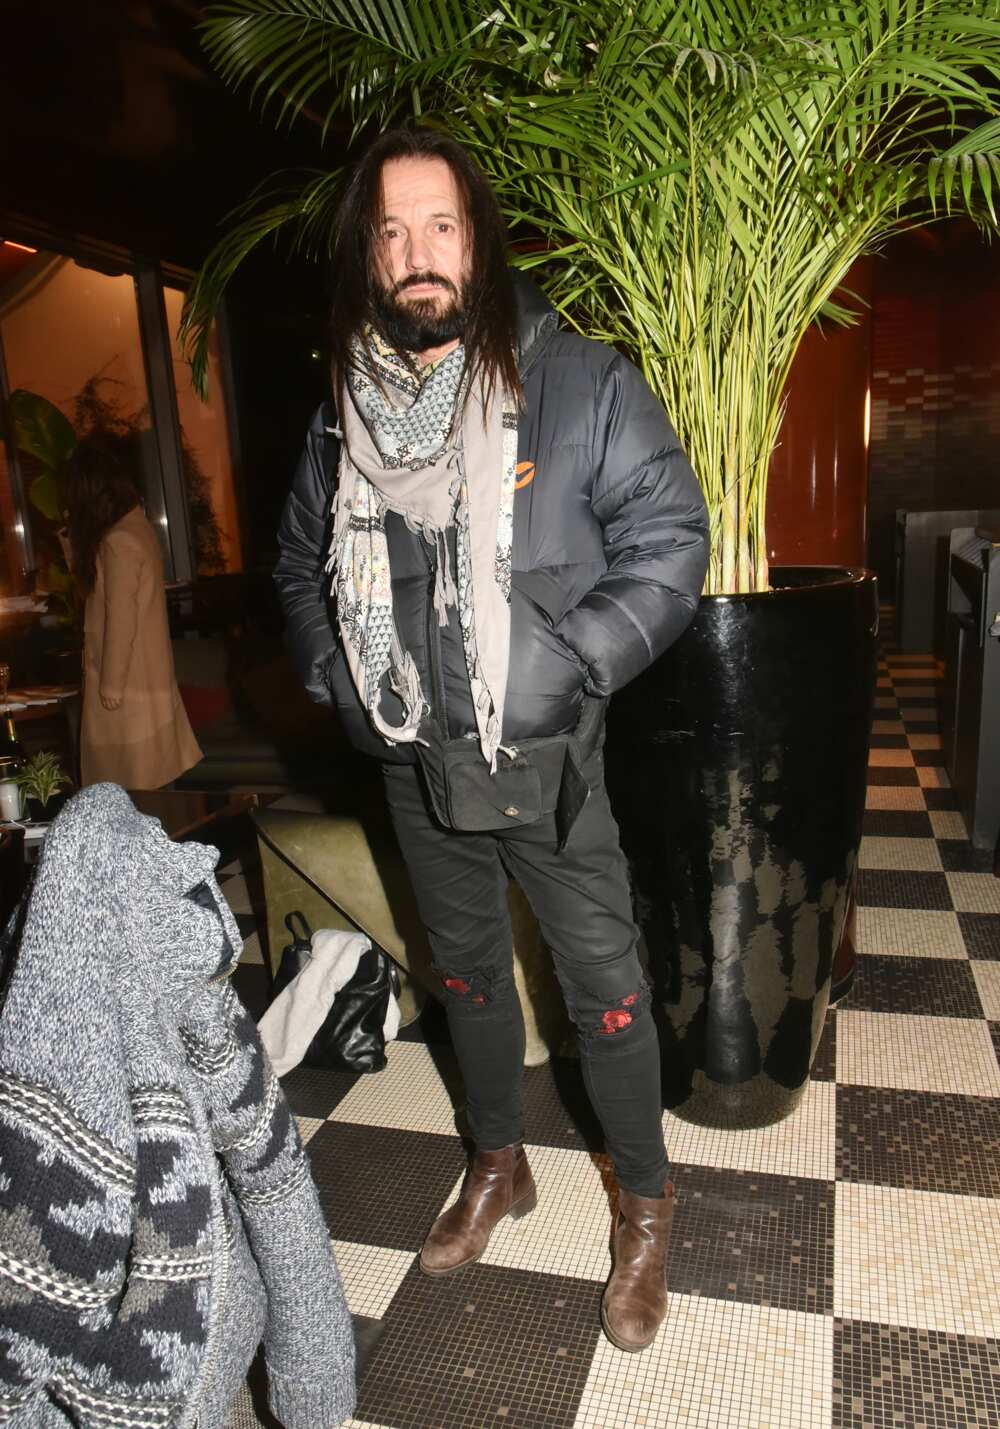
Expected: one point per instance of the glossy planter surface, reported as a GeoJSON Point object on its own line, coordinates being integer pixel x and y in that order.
{"type": "Point", "coordinates": [737, 770]}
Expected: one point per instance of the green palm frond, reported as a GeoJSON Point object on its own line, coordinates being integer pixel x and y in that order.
{"type": "Point", "coordinates": [703, 173]}
{"type": "Point", "coordinates": [299, 211]}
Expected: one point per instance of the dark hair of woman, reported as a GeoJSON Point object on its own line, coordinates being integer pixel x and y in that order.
{"type": "Point", "coordinates": [101, 492]}
{"type": "Point", "coordinates": [489, 330]}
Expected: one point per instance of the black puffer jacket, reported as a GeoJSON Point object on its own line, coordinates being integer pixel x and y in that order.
{"type": "Point", "coordinates": [610, 550]}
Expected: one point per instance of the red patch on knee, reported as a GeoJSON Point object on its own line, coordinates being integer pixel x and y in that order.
{"type": "Point", "coordinates": [631, 1000]}
{"type": "Point", "coordinates": [457, 984]}
{"type": "Point", "coordinates": [615, 1020]}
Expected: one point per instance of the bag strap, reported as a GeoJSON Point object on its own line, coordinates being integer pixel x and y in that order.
{"type": "Point", "coordinates": [306, 935]}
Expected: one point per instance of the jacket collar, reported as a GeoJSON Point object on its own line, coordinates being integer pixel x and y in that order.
{"type": "Point", "coordinates": [536, 320]}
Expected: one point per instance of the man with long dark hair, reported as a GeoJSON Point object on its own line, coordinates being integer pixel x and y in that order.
{"type": "Point", "coordinates": [512, 533]}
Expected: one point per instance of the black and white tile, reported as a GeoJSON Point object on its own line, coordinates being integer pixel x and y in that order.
{"type": "Point", "coordinates": [837, 1271]}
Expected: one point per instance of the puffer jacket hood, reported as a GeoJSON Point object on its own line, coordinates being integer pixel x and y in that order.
{"type": "Point", "coordinates": [537, 320]}
{"type": "Point", "coordinates": [609, 553]}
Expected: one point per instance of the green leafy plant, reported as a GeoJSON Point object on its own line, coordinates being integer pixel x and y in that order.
{"type": "Point", "coordinates": [701, 174]}
{"type": "Point", "coordinates": [42, 432]}
{"type": "Point", "coordinates": [47, 441]}
{"type": "Point", "coordinates": [41, 776]}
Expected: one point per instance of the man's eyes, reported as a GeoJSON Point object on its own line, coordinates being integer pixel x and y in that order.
{"type": "Point", "coordinates": [390, 234]}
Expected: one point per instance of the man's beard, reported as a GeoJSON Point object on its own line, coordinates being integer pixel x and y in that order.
{"type": "Point", "coordinates": [420, 324]}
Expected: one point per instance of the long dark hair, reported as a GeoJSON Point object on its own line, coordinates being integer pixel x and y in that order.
{"type": "Point", "coordinates": [490, 335]}
{"type": "Point", "coordinates": [101, 492]}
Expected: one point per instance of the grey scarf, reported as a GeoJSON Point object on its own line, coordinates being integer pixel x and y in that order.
{"type": "Point", "coordinates": [436, 454]}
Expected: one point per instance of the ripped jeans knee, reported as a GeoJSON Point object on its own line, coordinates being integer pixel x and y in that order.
{"type": "Point", "coordinates": [476, 990]}
{"type": "Point", "coordinates": [599, 1019]}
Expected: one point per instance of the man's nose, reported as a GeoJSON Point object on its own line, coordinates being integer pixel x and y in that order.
{"type": "Point", "coordinates": [418, 254]}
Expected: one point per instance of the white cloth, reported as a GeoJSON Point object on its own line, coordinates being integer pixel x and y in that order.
{"type": "Point", "coordinates": [297, 1013]}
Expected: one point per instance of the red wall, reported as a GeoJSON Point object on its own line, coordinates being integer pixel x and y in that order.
{"type": "Point", "coordinates": [931, 352]}
{"type": "Point", "coordinates": [817, 489]}
{"type": "Point", "coordinates": [935, 382]}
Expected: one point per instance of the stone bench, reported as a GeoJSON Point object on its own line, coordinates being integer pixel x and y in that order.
{"type": "Point", "coordinates": [341, 871]}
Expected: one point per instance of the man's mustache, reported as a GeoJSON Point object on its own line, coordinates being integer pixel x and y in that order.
{"type": "Point", "coordinates": [416, 280]}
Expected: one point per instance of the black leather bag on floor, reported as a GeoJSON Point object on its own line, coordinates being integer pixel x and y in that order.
{"type": "Point", "coordinates": [351, 1037]}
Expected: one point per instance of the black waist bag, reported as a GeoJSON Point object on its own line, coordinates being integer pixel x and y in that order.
{"type": "Point", "coordinates": [544, 776]}
{"type": "Point", "coordinates": [350, 1038]}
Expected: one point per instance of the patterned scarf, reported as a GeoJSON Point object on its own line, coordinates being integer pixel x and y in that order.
{"type": "Point", "coordinates": [427, 447]}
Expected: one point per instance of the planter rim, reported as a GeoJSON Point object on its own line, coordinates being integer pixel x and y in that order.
{"type": "Point", "coordinates": [846, 576]}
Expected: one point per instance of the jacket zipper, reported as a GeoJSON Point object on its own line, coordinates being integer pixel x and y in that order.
{"type": "Point", "coordinates": [434, 649]}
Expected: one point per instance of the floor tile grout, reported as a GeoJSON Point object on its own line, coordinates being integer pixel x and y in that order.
{"type": "Point", "coordinates": [834, 1272]}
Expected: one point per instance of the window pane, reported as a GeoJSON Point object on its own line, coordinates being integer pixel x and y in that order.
{"type": "Point", "coordinates": [13, 573]}
{"type": "Point", "coordinates": [208, 464]}
{"type": "Point", "coordinates": [70, 335]}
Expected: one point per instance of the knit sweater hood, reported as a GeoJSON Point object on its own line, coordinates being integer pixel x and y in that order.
{"type": "Point", "coordinates": [157, 1205]}
{"type": "Point", "coordinates": [110, 910]}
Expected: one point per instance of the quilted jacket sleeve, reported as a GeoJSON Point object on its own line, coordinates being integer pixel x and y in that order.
{"type": "Point", "coordinates": [655, 527]}
{"type": "Point", "coordinates": [303, 538]}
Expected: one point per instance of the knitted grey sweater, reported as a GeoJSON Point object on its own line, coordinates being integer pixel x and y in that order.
{"type": "Point", "coordinates": [157, 1215]}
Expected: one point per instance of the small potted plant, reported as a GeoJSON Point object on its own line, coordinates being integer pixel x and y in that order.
{"type": "Point", "coordinates": [40, 779]}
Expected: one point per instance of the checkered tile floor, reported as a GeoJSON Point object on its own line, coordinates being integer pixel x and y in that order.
{"type": "Point", "coordinates": [840, 1269]}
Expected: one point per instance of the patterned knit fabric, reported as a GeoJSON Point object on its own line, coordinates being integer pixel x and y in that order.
{"type": "Point", "coordinates": [410, 413]}
{"type": "Point", "coordinates": [157, 1217]}
{"type": "Point", "coordinates": [429, 447]}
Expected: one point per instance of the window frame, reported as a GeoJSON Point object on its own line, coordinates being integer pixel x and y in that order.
{"type": "Point", "coordinates": [166, 503]}
{"type": "Point", "coordinates": [18, 494]}
{"type": "Point", "coordinates": [176, 277]}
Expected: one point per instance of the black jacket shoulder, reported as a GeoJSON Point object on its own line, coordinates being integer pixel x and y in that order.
{"type": "Point", "coordinates": [303, 539]}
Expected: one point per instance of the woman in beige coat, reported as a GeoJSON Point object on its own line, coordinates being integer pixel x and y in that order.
{"type": "Point", "coordinates": [135, 730]}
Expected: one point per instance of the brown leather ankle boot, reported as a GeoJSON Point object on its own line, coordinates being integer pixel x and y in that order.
{"type": "Point", "coordinates": [635, 1298]}
{"type": "Point", "coordinates": [498, 1184]}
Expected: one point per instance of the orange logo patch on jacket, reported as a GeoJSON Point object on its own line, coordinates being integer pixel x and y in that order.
{"type": "Point", "coordinates": [525, 472]}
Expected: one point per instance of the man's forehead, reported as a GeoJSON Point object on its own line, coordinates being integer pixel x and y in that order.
{"type": "Point", "coordinates": [419, 181]}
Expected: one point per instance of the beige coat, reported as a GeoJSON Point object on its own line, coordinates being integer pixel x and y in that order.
{"type": "Point", "coordinates": [147, 741]}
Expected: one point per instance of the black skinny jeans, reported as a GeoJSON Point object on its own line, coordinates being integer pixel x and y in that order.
{"type": "Point", "coordinates": [581, 900]}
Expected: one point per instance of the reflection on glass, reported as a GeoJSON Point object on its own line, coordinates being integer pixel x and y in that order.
{"type": "Point", "coordinates": [13, 575]}
{"type": "Point", "coordinates": [207, 455]}
{"type": "Point", "coordinates": [70, 335]}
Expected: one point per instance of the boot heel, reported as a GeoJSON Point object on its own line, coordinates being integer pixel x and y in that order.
{"type": "Point", "coordinates": [524, 1206]}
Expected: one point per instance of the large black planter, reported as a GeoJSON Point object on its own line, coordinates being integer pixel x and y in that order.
{"type": "Point", "coordinates": [737, 769]}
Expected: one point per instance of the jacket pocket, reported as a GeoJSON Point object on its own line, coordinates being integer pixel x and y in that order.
{"type": "Point", "coordinates": [543, 661]}
{"type": "Point", "coordinates": [588, 736]}
{"type": "Point", "coordinates": [354, 717]}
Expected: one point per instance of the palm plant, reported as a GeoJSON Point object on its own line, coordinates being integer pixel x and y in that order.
{"type": "Point", "coordinates": [701, 174]}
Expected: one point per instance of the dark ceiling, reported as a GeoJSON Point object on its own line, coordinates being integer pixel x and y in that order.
{"type": "Point", "coordinates": [114, 126]}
